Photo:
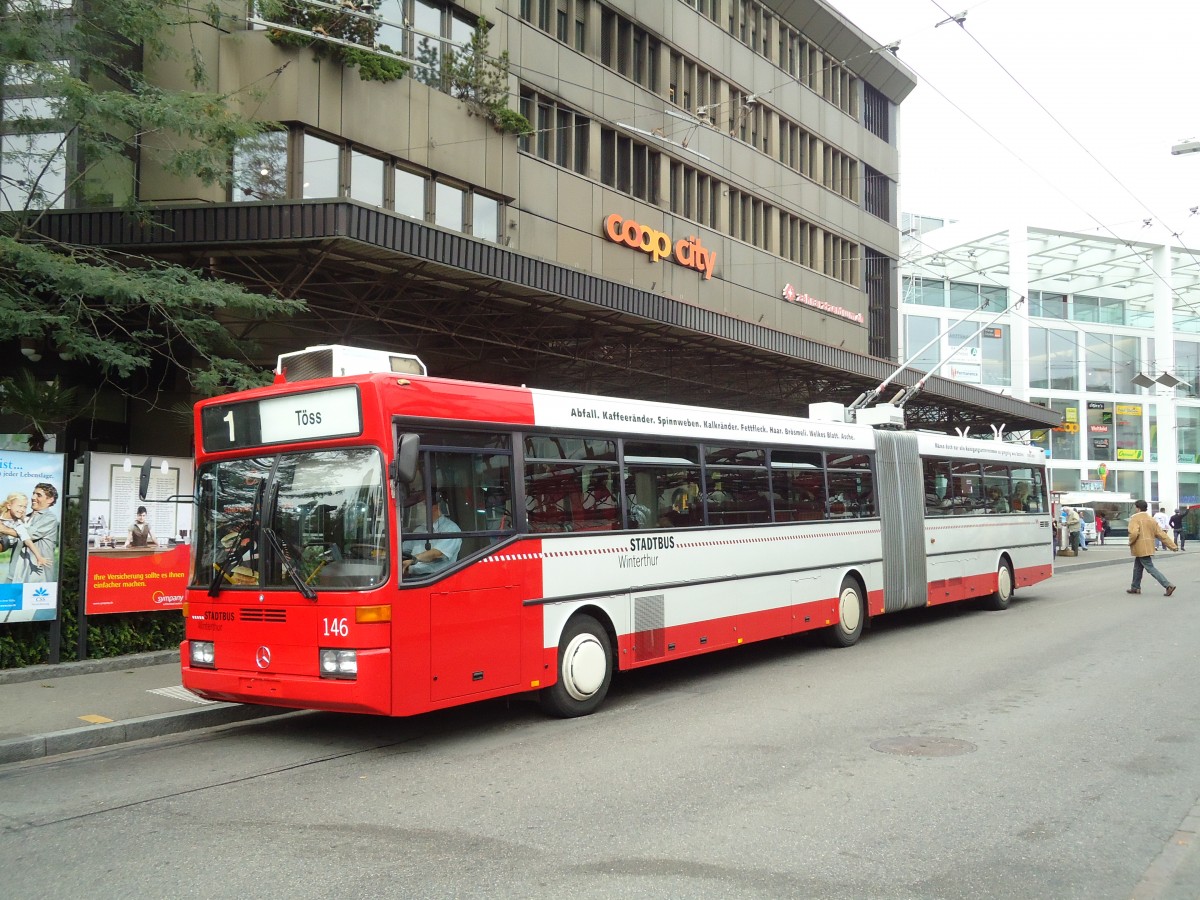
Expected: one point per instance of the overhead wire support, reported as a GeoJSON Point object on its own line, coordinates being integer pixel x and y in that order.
{"type": "Point", "coordinates": [867, 396]}
{"type": "Point", "coordinates": [911, 392]}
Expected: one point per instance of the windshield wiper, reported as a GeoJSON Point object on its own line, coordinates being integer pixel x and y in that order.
{"type": "Point", "coordinates": [235, 552]}
{"type": "Point", "coordinates": [289, 566]}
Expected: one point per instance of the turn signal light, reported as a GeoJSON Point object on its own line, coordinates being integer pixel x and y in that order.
{"type": "Point", "coordinates": [363, 614]}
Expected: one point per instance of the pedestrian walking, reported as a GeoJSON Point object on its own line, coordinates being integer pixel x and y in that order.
{"type": "Point", "coordinates": [1144, 531]}
{"type": "Point", "coordinates": [1176, 522]}
{"type": "Point", "coordinates": [1101, 528]}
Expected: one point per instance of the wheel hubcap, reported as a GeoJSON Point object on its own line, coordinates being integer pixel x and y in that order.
{"type": "Point", "coordinates": [584, 666]}
{"type": "Point", "coordinates": [851, 611]}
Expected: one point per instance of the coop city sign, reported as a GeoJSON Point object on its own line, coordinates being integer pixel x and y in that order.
{"type": "Point", "coordinates": [688, 251]}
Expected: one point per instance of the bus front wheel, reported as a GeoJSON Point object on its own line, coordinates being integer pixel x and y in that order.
{"type": "Point", "coordinates": [1002, 596]}
{"type": "Point", "coordinates": [585, 665]}
{"type": "Point", "coordinates": [851, 616]}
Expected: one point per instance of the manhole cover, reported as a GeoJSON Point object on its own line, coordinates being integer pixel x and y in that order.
{"type": "Point", "coordinates": [923, 746]}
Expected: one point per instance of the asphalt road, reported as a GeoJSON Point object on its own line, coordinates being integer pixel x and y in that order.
{"type": "Point", "coordinates": [1049, 751]}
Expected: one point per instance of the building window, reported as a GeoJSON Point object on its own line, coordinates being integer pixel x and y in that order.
{"type": "Point", "coordinates": [877, 199]}
{"type": "Point", "coordinates": [1047, 306]}
{"type": "Point", "coordinates": [1127, 431]}
{"type": "Point", "coordinates": [963, 296]}
{"type": "Point", "coordinates": [321, 168]}
{"type": "Point", "coordinates": [581, 20]}
{"type": "Point", "coordinates": [260, 167]}
{"type": "Point", "coordinates": [994, 347]}
{"type": "Point", "coordinates": [427, 47]}
{"type": "Point", "coordinates": [1100, 436]}
{"type": "Point", "coordinates": [1061, 442]}
{"type": "Point", "coordinates": [1098, 362]}
{"type": "Point", "coordinates": [629, 166]}
{"type": "Point", "coordinates": [1187, 429]}
{"type": "Point", "coordinates": [561, 134]}
{"type": "Point", "coordinates": [922, 330]}
{"type": "Point", "coordinates": [1053, 360]}
{"type": "Point", "coordinates": [925, 291]}
{"type": "Point", "coordinates": [875, 113]}
{"type": "Point", "coordinates": [366, 178]}
{"type": "Point", "coordinates": [485, 217]}
{"type": "Point", "coordinates": [33, 171]}
{"type": "Point", "coordinates": [448, 205]}
{"type": "Point", "coordinates": [1187, 364]}
{"type": "Point", "coordinates": [33, 144]}
{"type": "Point", "coordinates": [260, 172]}
{"type": "Point", "coordinates": [424, 30]}
{"type": "Point", "coordinates": [410, 194]}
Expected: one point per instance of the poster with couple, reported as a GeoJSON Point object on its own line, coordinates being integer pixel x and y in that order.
{"type": "Point", "coordinates": [137, 549]}
{"type": "Point", "coordinates": [31, 488]}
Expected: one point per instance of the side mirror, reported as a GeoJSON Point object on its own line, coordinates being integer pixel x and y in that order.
{"type": "Point", "coordinates": [404, 466]}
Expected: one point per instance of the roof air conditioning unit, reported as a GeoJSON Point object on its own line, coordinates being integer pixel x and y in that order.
{"type": "Point", "coordinates": [336, 360]}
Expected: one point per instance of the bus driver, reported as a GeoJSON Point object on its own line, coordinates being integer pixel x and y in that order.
{"type": "Point", "coordinates": [430, 556]}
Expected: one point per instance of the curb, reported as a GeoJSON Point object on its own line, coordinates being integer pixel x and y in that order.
{"type": "Point", "coordinates": [89, 666]}
{"type": "Point", "coordinates": [1085, 565]}
{"type": "Point", "coordinates": [1063, 569]}
{"type": "Point", "coordinates": [89, 737]}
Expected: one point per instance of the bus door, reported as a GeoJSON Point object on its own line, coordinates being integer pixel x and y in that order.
{"type": "Point", "coordinates": [899, 486]}
{"type": "Point", "coordinates": [457, 512]}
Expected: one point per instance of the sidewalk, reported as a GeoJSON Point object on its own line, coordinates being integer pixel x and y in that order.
{"type": "Point", "coordinates": [1114, 551]}
{"type": "Point", "coordinates": [49, 710]}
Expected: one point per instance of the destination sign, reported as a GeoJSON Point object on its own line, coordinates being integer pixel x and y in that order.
{"type": "Point", "coordinates": [312, 415]}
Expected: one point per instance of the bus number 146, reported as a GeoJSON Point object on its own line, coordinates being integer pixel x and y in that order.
{"type": "Point", "coordinates": [336, 627]}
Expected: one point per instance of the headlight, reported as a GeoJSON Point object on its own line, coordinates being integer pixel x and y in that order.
{"type": "Point", "coordinates": [339, 663]}
{"type": "Point", "coordinates": [203, 654]}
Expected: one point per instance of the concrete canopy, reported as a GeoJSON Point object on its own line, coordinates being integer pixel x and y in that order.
{"type": "Point", "coordinates": [476, 310]}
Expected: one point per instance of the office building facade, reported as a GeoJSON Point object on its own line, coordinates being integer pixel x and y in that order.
{"type": "Point", "coordinates": [702, 208]}
{"type": "Point", "coordinates": [1100, 329]}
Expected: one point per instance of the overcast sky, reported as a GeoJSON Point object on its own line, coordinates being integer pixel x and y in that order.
{"type": "Point", "coordinates": [1118, 82]}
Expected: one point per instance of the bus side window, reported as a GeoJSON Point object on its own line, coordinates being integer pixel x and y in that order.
{"type": "Point", "coordinates": [938, 494]}
{"type": "Point", "coordinates": [601, 506]}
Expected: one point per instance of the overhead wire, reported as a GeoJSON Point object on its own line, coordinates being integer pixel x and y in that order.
{"type": "Point", "coordinates": [1143, 255]}
{"type": "Point", "coordinates": [1053, 118]}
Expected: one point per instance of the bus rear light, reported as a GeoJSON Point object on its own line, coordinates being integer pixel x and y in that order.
{"type": "Point", "coordinates": [203, 654]}
{"type": "Point", "coordinates": [339, 663]}
{"type": "Point", "coordinates": [364, 614]}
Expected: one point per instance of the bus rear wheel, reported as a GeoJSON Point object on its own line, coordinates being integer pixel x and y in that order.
{"type": "Point", "coordinates": [851, 616]}
{"type": "Point", "coordinates": [1002, 596]}
{"type": "Point", "coordinates": [585, 667]}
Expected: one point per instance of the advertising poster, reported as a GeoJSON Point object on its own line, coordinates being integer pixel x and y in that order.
{"type": "Point", "coordinates": [31, 486]}
{"type": "Point", "coordinates": [137, 550]}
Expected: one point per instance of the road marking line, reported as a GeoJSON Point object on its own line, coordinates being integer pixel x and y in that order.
{"type": "Point", "coordinates": [179, 692]}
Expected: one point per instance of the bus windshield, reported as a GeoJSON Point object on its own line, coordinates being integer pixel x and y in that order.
{"type": "Point", "coordinates": [293, 521]}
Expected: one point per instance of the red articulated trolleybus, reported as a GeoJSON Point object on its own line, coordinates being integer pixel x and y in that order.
{"type": "Point", "coordinates": [392, 543]}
